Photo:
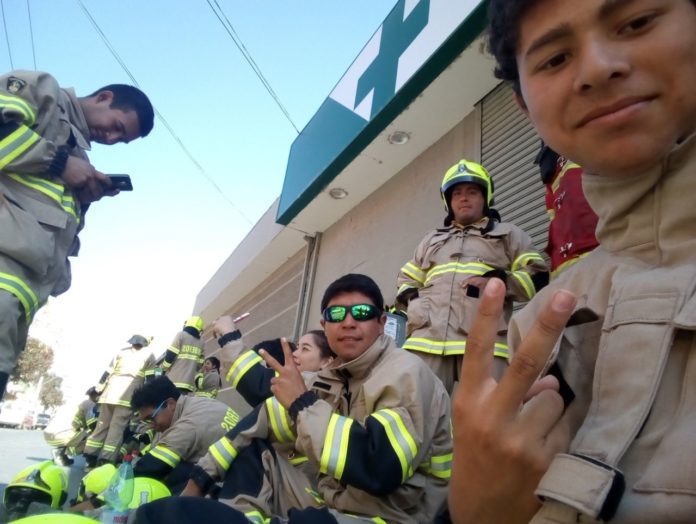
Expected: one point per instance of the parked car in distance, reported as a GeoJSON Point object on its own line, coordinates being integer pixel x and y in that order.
{"type": "Point", "coordinates": [42, 420]}
{"type": "Point", "coordinates": [12, 414]}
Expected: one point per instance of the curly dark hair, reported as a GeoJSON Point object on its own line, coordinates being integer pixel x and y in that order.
{"type": "Point", "coordinates": [503, 36]}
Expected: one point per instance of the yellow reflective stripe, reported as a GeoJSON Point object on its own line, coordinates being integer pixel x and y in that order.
{"type": "Point", "coordinates": [91, 421]}
{"type": "Point", "coordinates": [58, 443]}
{"type": "Point", "coordinates": [378, 520]}
{"type": "Point", "coordinates": [188, 356]}
{"type": "Point", "coordinates": [52, 190]}
{"type": "Point", "coordinates": [441, 466]}
{"type": "Point", "coordinates": [469, 268]}
{"type": "Point", "coordinates": [526, 282]}
{"type": "Point", "coordinates": [525, 258]}
{"type": "Point", "coordinates": [19, 105]}
{"type": "Point", "coordinates": [223, 452]}
{"type": "Point", "coordinates": [315, 495]}
{"type": "Point", "coordinates": [184, 385]}
{"type": "Point", "coordinates": [557, 182]}
{"type": "Point", "coordinates": [400, 439]}
{"type": "Point", "coordinates": [124, 403]}
{"type": "Point", "coordinates": [256, 517]}
{"type": "Point", "coordinates": [94, 443]}
{"type": "Point", "coordinates": [449, 347]}
{"type": "Point", "coordinates": [109, 447]}
{"type": "Point", "coordinates": [278, 417]}
{"type": "Point", "coordinates": [333, 456]}
{"type": "Point", "coordinates": [16, 143]}
{"type": "Point", "coordinates": [166, 455]}
{"type": "Point", "coordinates": [22, 292]}
{"type": "Point", "coordinates": [298, 459]}
{"type": "Point", "coordinates": [173, 349]}
{"type": "Point", "coordinates": [568, 263]}
{"type": "Point", "coordinates": [411, 270]}
{"type": "Point", "coordinates": [241, 366]}
{"type": "Point", "coordinates": [405, 287]}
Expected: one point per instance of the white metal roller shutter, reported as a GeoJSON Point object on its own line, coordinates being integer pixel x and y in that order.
{"type": "Point", "coordinates": [508, 147]}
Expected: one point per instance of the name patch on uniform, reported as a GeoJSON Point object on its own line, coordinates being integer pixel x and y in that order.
{"type": "Point", "coordinates": [14, 84]}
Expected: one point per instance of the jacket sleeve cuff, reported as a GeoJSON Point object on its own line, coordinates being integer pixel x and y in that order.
{"type": "Point", "coordinates": [303, 401]}
{"type": "Point", "coordinates": [60, 160]}
{"type": "Point", "coordinates": [229, 337]}
{"type": "Point", "coordinates": [202, 479]}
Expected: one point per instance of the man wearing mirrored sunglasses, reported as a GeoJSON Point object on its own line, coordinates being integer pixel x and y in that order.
{"type": "Point", "coordinates": [374, 423]}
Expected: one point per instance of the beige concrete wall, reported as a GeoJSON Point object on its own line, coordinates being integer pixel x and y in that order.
{"type": "Point", "coordinates": [380, 234]}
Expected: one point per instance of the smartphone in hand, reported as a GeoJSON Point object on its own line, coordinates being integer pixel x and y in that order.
{"type": "Point", "coordinates": [121, 182]}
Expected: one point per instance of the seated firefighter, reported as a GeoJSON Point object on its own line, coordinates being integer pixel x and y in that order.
{"type": "Point", "coordinates": [186, 426]}
{"type": "Point", "coordinates": [68, 430]}
{"type": "Point", "coordinates": [373, 400]}
{"type": "Point", "coordinates": [440, 285]}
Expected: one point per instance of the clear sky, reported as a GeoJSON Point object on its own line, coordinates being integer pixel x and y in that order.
{"type": "Point", "coordinates": [146, 254]}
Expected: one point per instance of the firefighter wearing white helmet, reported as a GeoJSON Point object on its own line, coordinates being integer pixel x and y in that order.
{"type": "Point", "coordinates": [44, 484]}
{"type": "Point", "coordinates": [441, 284]}
{"type": "Point", "coordinates": [184, 356]}
{"type": "Point", "coordinates": [125, 374]}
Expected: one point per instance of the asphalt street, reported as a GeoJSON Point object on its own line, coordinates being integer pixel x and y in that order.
{"type": "Point", "coordinates": [22, 448]}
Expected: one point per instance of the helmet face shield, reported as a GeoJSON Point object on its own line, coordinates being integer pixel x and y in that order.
{"type": "Point", "coordinates": [18, 498]}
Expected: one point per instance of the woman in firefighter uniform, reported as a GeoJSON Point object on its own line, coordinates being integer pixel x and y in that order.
{"type": "Point", "coordinates": [46, 184]}
{"type": "Point", "coordinates": [126, 373]}
{"type": "Point", "coordinates": [441, 284]}
{"type": "Point", "coordinates": [184, 356]}
{"type": "Point", "coordinates": [208, 381]}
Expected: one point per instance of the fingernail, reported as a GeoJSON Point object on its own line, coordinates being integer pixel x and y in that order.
{"type": "Point", "coordinates": [563, 301]}
{"type": "Point", "coordinates": [493, 287]}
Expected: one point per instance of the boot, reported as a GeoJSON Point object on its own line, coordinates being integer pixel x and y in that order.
{"type": "Point", "coordinates": [61, 458]}
{"type": "Point", "coordinates": [90, 461]}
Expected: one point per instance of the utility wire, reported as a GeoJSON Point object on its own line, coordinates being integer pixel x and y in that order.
{"type": "Point", "coordinates": [250, 60]}
{"type": "Point", "coordinates": [31, 33]}
{"type": "Point", "coordinates": [161, 117]}
{"type": "Point", "coordinates": [7, 36]}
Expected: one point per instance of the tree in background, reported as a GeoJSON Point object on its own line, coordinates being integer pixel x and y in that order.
{"type": "Point", "coordinates": [51, 395]}
{"type": "Point", "coordinates": [33, 363]}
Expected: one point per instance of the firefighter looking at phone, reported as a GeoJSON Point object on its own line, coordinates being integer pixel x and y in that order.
{"type": "Point", "coordinates": [46, 186]}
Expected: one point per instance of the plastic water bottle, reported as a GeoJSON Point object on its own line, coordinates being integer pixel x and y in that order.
{"type": "Point", "coordinates": [119, 494]}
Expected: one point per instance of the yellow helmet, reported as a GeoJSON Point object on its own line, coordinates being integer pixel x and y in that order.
{"type": "Point", "coordinates": [194, 322]}
{"type": "Point", "coordinates": [55, 518]}
{"type": "Point", "coordinates": [470, 172]}
{"type": "Point", "coordinates": [95, 482]}
{"type": "Point", "coordinates": [146, 490]}
{"type": "Point", "coordinates": [45, 483]}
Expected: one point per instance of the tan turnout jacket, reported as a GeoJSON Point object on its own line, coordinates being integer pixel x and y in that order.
{"type": "Point", "coordinates": [629, 354]}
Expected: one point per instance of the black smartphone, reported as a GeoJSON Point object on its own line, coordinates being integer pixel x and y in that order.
{"type": "Point", "coordinates": [122, 182]}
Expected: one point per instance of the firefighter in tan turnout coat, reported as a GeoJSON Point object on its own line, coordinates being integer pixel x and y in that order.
{"type": "Point", "coordinates": [125, 374]}
{"type": "Point", "coordinates": [441, 284]}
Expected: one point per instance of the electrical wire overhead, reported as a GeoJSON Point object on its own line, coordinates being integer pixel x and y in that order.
{"type": "Point", "coordinates": [7, 36]}
{"type": "Point", "coordinates": [31, 34]}
{"type": "Point", "coordinates": [250, 60]}
{"type": "Point", "coordinates": [160, 117]}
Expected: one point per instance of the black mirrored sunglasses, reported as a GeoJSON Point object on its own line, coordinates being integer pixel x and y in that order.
{"type": "Point", "coordinates": [360, 312]}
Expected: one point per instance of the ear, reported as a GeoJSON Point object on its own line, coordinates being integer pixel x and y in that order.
{"type": "Point", "coordinates": [105, 96]}
{"type": "Point", "coordinates": [322, 322]}
{"type": "Point", "coordinates": [383, 320]}
{"type": "Point", "coordinates": [521, 104]}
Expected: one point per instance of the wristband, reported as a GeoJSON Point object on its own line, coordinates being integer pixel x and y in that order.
{"type": "Point", "coordinates": [303, 401]}
{"type": "Point", "coordinates": [229, 337]}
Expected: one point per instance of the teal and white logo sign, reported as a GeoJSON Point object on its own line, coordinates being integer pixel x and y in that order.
{"type": "Point", "coordinates": [414, 34]}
